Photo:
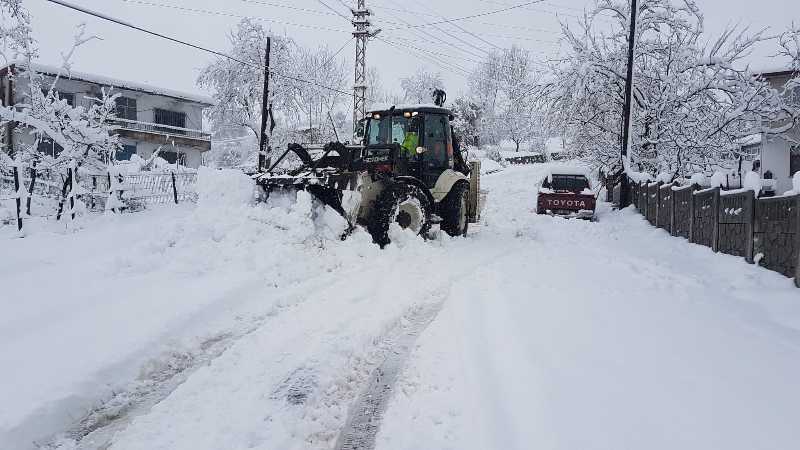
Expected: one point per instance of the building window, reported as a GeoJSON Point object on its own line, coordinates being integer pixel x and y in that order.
{"type": "Point", "coordinates": [126, 152]}
{"type": "Point", "coordinates": [174, 157]}
{"type": "Point", "coordinates": [794, 160]}
{"type": "Point", "coordinates": [170, 118]}
{"type": "Point", "coordinates": [126, 108]}
{"type": "Point", "coordinates": [70, 98]}
{"type": "Point", "coordinates": [49, 148]}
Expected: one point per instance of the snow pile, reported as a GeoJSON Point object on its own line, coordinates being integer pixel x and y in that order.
{"type": "Point", "coordinates": [752, 182]}
{"type": "Point", "coordinates": [795, 185]}
{"type": "Point", "coordinates": [224, 188]}
{"type": "Point", "coordinates": [699, 179]}
{"type": "Point", "coordinates": [639, 177]}
{"type": "Point", "coordinates": [489, 166]}
{"type": "Point", "coordinates": [664, 178]}
{"type": "Point", "coordinates": [719, 179]}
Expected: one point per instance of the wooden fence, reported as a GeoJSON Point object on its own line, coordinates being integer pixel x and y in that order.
{"type": "Point", "coordinates": [762, 231]}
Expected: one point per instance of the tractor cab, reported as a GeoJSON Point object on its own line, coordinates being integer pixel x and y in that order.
{"type": "Point", "coordinates": [411, 141]}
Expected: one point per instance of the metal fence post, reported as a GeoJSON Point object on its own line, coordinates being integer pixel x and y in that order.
{"type": "Point", "coordinates": [174, 188]}
{"type": "Point", "coordinates": [19, 200]}
{"type": "Point", "coordinates": [750, 227]}
{"type": "Point", "coordinates": [715, 236]}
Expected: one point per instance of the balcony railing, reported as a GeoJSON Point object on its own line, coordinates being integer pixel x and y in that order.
{"type": "Point", "coordinates": [154, 128]}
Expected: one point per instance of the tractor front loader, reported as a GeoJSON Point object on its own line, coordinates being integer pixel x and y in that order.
{"type": "Point", "coordinates": [408, 171]}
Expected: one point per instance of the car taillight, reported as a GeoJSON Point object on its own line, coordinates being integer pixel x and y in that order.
{"type": "Point", "coordinates": [385, 168]}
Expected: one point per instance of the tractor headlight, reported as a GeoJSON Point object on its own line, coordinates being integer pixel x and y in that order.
{"type": "Point", "coordinates": [421, 150]}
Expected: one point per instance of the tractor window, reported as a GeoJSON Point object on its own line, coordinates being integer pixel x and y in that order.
{"type": "Point", "coordinates": [436, 140]}
{"type": "Point", "coordinates": [387, 130]}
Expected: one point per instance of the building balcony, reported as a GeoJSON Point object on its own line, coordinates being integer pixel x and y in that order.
{"type": "Point", "coordinates": [154, 128]}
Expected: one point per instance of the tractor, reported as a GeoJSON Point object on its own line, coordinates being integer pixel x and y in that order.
{"type": "Point", "coordinates": [408, 171]}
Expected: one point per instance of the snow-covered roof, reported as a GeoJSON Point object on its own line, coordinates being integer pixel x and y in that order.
{"type": "Point", "coordinates": [752, 139]}
{"type": "Point", "coordinates": [772, 70]}
{"type": "Point", "coordinates": [116, 83]}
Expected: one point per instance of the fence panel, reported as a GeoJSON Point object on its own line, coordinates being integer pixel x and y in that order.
{"type": "Point", "coordinates": [652, 203]}
{"type": "Point", "coordinates": [705, 221]}
{"type": "Point", "coordinates": [736, 224]}
{"type": "Point", "coordinates": [642, 195]}
{"type": "Point", "coordinates": [682, 205]}
{"type": "Point", "coordinates": [775, 243]}
{"type": "Point", "coordinates": [634, 193]}
{"type": "Point", "coordinates": [664, 219]}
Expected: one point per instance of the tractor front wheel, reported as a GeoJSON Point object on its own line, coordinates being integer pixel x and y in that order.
{"type": "Point", "coordinates": [403, 204]}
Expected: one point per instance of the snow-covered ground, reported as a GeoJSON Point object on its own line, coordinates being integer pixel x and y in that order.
{"type": "Point", "coordinates": [225, 326]}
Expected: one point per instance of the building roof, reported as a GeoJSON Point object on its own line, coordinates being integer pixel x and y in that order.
{"type": "Point", "coordinates": [774, 71]}
{"type": "Point", "coordinates": [113, 82]}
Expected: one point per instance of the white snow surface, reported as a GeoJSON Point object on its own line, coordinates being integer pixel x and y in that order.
{"type": "Point", "coordinates": [553, 334]}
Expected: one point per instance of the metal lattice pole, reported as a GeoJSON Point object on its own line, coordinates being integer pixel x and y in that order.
{"type": "Point", "coordinates": [362, 33]}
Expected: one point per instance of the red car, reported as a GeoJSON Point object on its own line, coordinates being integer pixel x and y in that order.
{"type": "Point", "coordinates": [567, 194]}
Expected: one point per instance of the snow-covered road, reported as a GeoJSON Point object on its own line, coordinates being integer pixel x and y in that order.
{"type": "Point", "coordinates": [236, 328]}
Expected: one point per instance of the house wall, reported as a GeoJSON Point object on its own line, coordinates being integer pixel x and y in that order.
{"type": "Point", "coordinates": [146, 104]}
{"type": "Point", "coordinates": [775, 158]}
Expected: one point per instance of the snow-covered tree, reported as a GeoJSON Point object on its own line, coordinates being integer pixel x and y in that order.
{"type": "Point", "coordinates": [83, 132]}
{"type": "Point", "coordinates": [467, 121]}
{"type": "Point", "coordinates": [501, 88]}
{"type": "Point", "coordinates": [692, 101]}
{"type": "Point", "coordinates": [419, 87]}
{"type": "Point", "coordinates": [238, 88]}
{"type": "Point", "coordinates": [316, 105]}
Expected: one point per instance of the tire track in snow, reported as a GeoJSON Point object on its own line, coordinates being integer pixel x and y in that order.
{"type": "Point", "coordinates": [94, 429]}
{"type": "Point", "coordinates": [366, 414]}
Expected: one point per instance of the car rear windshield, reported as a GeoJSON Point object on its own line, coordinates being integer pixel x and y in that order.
{"type": "Point", "coordinates": [574, 183]}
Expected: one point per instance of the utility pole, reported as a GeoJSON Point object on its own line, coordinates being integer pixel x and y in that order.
{"type": "Point", "coordinates": [624, 192]}
{"type": "Point", "coordinates": [362, 34]}
{"type": "Point", "coordinates": [266, 111]}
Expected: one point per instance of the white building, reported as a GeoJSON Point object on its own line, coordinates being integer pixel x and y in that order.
{"type": "Point", "coordinates": [147, 117]}
{"type": "Point", "coordinates": [778, 156]}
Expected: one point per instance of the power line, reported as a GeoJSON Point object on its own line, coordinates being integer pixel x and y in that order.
{"type": "Point", "coordinates": [294, 8]}
{"type": "Point", "coordinates": [197, 47]}
{"type": "Point", "coordinates": [455, 70]}
{"type": "Point", "coordinates": [227, 14]}
{"type": "Point", "coordinates": [459, 27]}
{"type": "Point", "coordinates": [473, 16]}
{"type": "Point", "coordinates": [431, 52]}
{"type": "Point", "coordinates": [333, 10]}
{"type": "Point", "coordinates": [435, 37]}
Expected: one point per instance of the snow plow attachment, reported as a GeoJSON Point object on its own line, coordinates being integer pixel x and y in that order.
{"type": "Point", "coordinates": [329, 178]}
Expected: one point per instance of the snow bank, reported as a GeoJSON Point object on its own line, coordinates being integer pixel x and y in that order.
{"type": "Point", "coordinates": [224, 187]}
{"type": "Point", "coordinates": [489, 166]}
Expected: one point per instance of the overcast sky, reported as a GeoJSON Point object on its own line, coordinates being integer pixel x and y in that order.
{"type": "Point", "coordinates": [131, 55]}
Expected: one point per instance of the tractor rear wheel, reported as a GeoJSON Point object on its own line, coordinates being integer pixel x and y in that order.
{"type": "Point", "coordinates": [404, 204]}
{"type": "Point", "coordinates": [454, 210]}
